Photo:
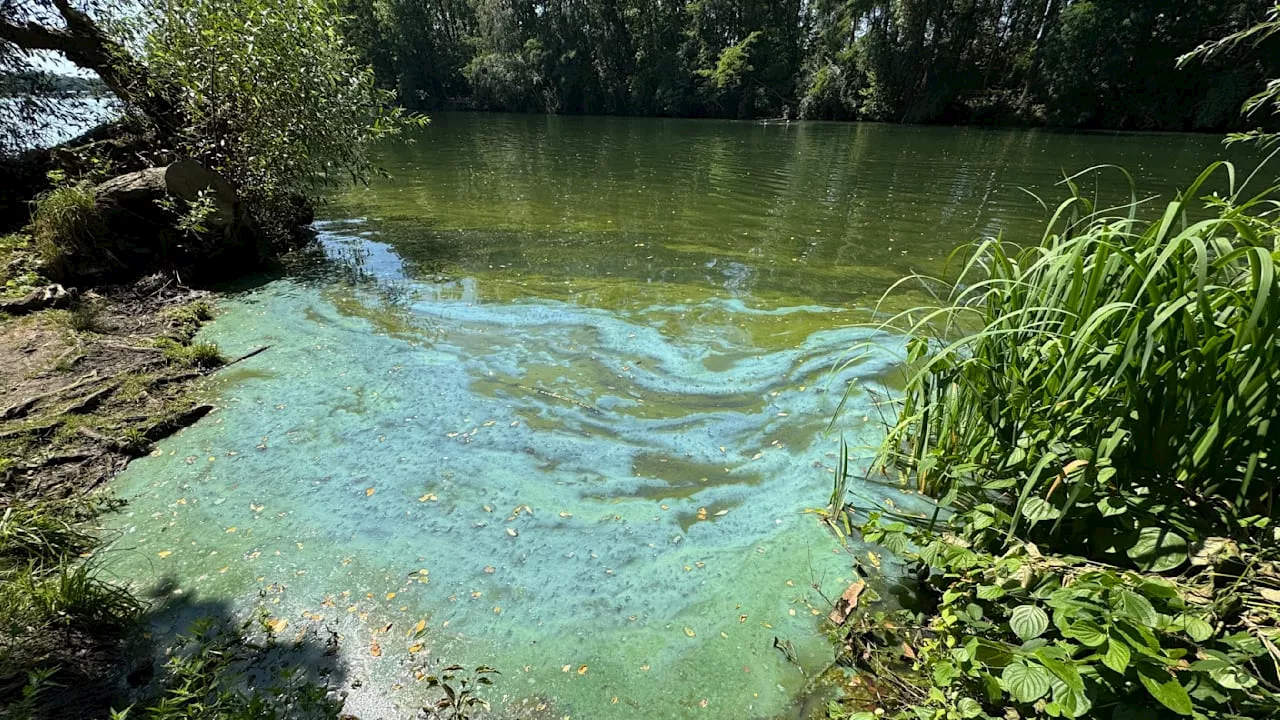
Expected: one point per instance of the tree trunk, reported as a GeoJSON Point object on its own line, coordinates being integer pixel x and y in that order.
{"type": "Point", "coordinates": [182, 217]}
{"type": "Point", "coordinates": [84, 43]}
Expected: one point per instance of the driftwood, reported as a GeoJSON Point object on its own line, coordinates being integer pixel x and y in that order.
{"type": "Point", "coordinates": [246, 356]}
{"type": "Point", "coordinates": [50, 296]}
{"type": "Point", "coordinates": [175, 422]}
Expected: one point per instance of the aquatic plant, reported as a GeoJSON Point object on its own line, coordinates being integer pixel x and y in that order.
{"type": "Point", "coordinates": [1121, 374]}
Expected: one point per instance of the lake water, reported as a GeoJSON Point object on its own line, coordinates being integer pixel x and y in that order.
{"type": "Point", "coordinates": [556, 402]}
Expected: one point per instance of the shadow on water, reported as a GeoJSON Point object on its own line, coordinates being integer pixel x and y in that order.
{"type": "Point", "coordinates": [218, 650]}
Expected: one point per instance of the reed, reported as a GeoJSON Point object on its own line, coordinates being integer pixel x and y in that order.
{"type": "Point", "coordinates": [1120, 373]}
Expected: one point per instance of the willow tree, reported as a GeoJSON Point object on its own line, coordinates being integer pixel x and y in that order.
{"type": "Point", "coordinates": [265, 92]}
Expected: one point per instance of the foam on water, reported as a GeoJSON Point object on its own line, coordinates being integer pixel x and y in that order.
{"type": "Point", "coordinates": [598, 509]}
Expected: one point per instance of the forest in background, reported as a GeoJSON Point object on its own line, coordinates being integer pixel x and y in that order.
{"type": "Point", "coordinates": [1066, 63]}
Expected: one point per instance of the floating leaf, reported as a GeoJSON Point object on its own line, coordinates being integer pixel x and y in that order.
{"type": "Point", "coordinates": [582, 669]}
{"type": "Point", "coordinates": [370, 491]}
{"type": "Point", "coordinates": [277, 625]}
{"type": "Point", "coordinates": [690, 632]}
{"type": "Point", "coordinates": [375, 649]}
{"type": "Point", "coordinates": [165, 553]}
{"type": "Point", "coordinates": [512, 532]}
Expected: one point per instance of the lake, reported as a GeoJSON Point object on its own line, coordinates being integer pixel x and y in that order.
{"type": "Point", "coordinates": [555, 400]}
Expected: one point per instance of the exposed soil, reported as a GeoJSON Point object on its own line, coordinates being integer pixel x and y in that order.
{"type": "Point", "coordinates": [86, 389]}
{"type": "Point", "coordinates": [83, 390]}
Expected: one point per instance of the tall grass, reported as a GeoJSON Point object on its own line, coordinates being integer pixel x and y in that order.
{"type": "Point", "coordinates": [1118, 372]}
{"type": "Point", "coordinates": [48, 585]}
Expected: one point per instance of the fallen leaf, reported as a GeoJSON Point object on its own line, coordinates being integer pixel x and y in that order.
{"type": "Point", "coordinates": [566, 668]}
{"type": "Point", "coordinates": [847, 603]}
{"type": "Point", "coordinates": [429, 497]}
{"type": "Point", "coordinates": [422, 625]}
{"type": "Point", "coordinates": [165, 553]}
{"type": "Point", "coordinates": [231, 529]}
{"type": "Point", "coordinates": [375, 649]}
{"type": "Point", "coordinates": [277, 625]}
{"type": "Point", "coordinates": [391, 595]}
{"type": "Point", "coordinates": [370, 491]}
{"type": "Point", "coordinates": [415, 648]}
{"type": "Point", "coordinates": [490, 569]}
{"type": "Point", "coordinates": [512, 532]}
{"type": "Point", "coordinates": [582, 669]}
{"type": "Point", "coordinates": [690, 632]}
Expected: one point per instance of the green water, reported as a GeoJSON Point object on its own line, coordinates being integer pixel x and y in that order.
{"type": "Point", "coordinates": [559, 391]}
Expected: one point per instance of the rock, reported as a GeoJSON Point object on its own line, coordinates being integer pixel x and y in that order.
{"type": "Point", "coordinates": [50, 296]}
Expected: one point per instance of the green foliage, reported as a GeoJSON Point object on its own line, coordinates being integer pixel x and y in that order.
{"type": "Point", "coordinates": [48, 586]}
{"type": "Point", "coordinates": [1269, 97]}
{"type": "Point", "coordinates": [733, 64]}
{"type": "Point", "coordinates": [18, 275]}
{"type": "Point", "coordinates": [208, 675]}
{"type": "Point", "coordinates": [64, 223]}
{"type": "Point", "coordinates": [271, 97]}
{"type": "Point", "coordinates": [1062, 637]}
{"type": "Point", "coordinates": [1094, 63]}
{"type": "Point", "coordinates": [1122, 373]}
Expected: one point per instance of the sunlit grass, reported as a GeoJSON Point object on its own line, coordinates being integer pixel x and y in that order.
{"type": "Point", "coordinates": [1119, 368]}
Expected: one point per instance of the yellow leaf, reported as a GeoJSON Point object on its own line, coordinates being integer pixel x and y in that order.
{"type": "Point", "coordinates": [277, 625]}
{"type": "Point", "coordinates": [415, 648]}
{"type": "Point", "coordinates": [582, 669]}
{"type": "Point", "coordinates": [370, 491]}
{"type": "Point", "coordinates": [390, 595]}
{"type": "Point", "coordinates": [231, 529]}
{"type": "Point", "coordinates": [489, 569]}
{"type": "Point", "coordinates": [375, 649]}
{"type": "Point", "coordinates": [690, 632]}
{"type": "Point", "coordinates": [566, 668]}
{"type": "Point", "coordinates": [644, 668]}
{"type": "Point", "coordinates": [165, 553]}
{"type": "Point", "coordinates": [429, 497]}
{"type": "Point", "coordinates": [512, 532]}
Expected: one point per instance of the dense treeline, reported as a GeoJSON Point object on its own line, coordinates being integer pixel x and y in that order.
{"type": "Point", "coordinates": [30, 82]}
{"type": "Point", "coordinates": [1078, 63]}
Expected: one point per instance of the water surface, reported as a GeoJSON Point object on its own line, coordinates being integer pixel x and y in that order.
{"type": "Point", "coordinates": [556, 401]}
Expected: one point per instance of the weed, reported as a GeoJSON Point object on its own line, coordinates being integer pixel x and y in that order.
{"type": "Point", "coordinates": [201, 355]}
{"type": "Point", "coordinates": [460, 688]}
{"type": "Point", "coordinates": [64, 223]}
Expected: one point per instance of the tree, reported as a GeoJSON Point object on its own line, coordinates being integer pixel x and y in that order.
{"type": "Point", "coordinates": [265, 92]}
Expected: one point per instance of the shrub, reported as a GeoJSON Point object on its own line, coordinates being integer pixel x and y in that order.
{"type": "Point", "coordinates": [271, 95]}
{"type": "Point", "coordinates": [1040, 635]}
